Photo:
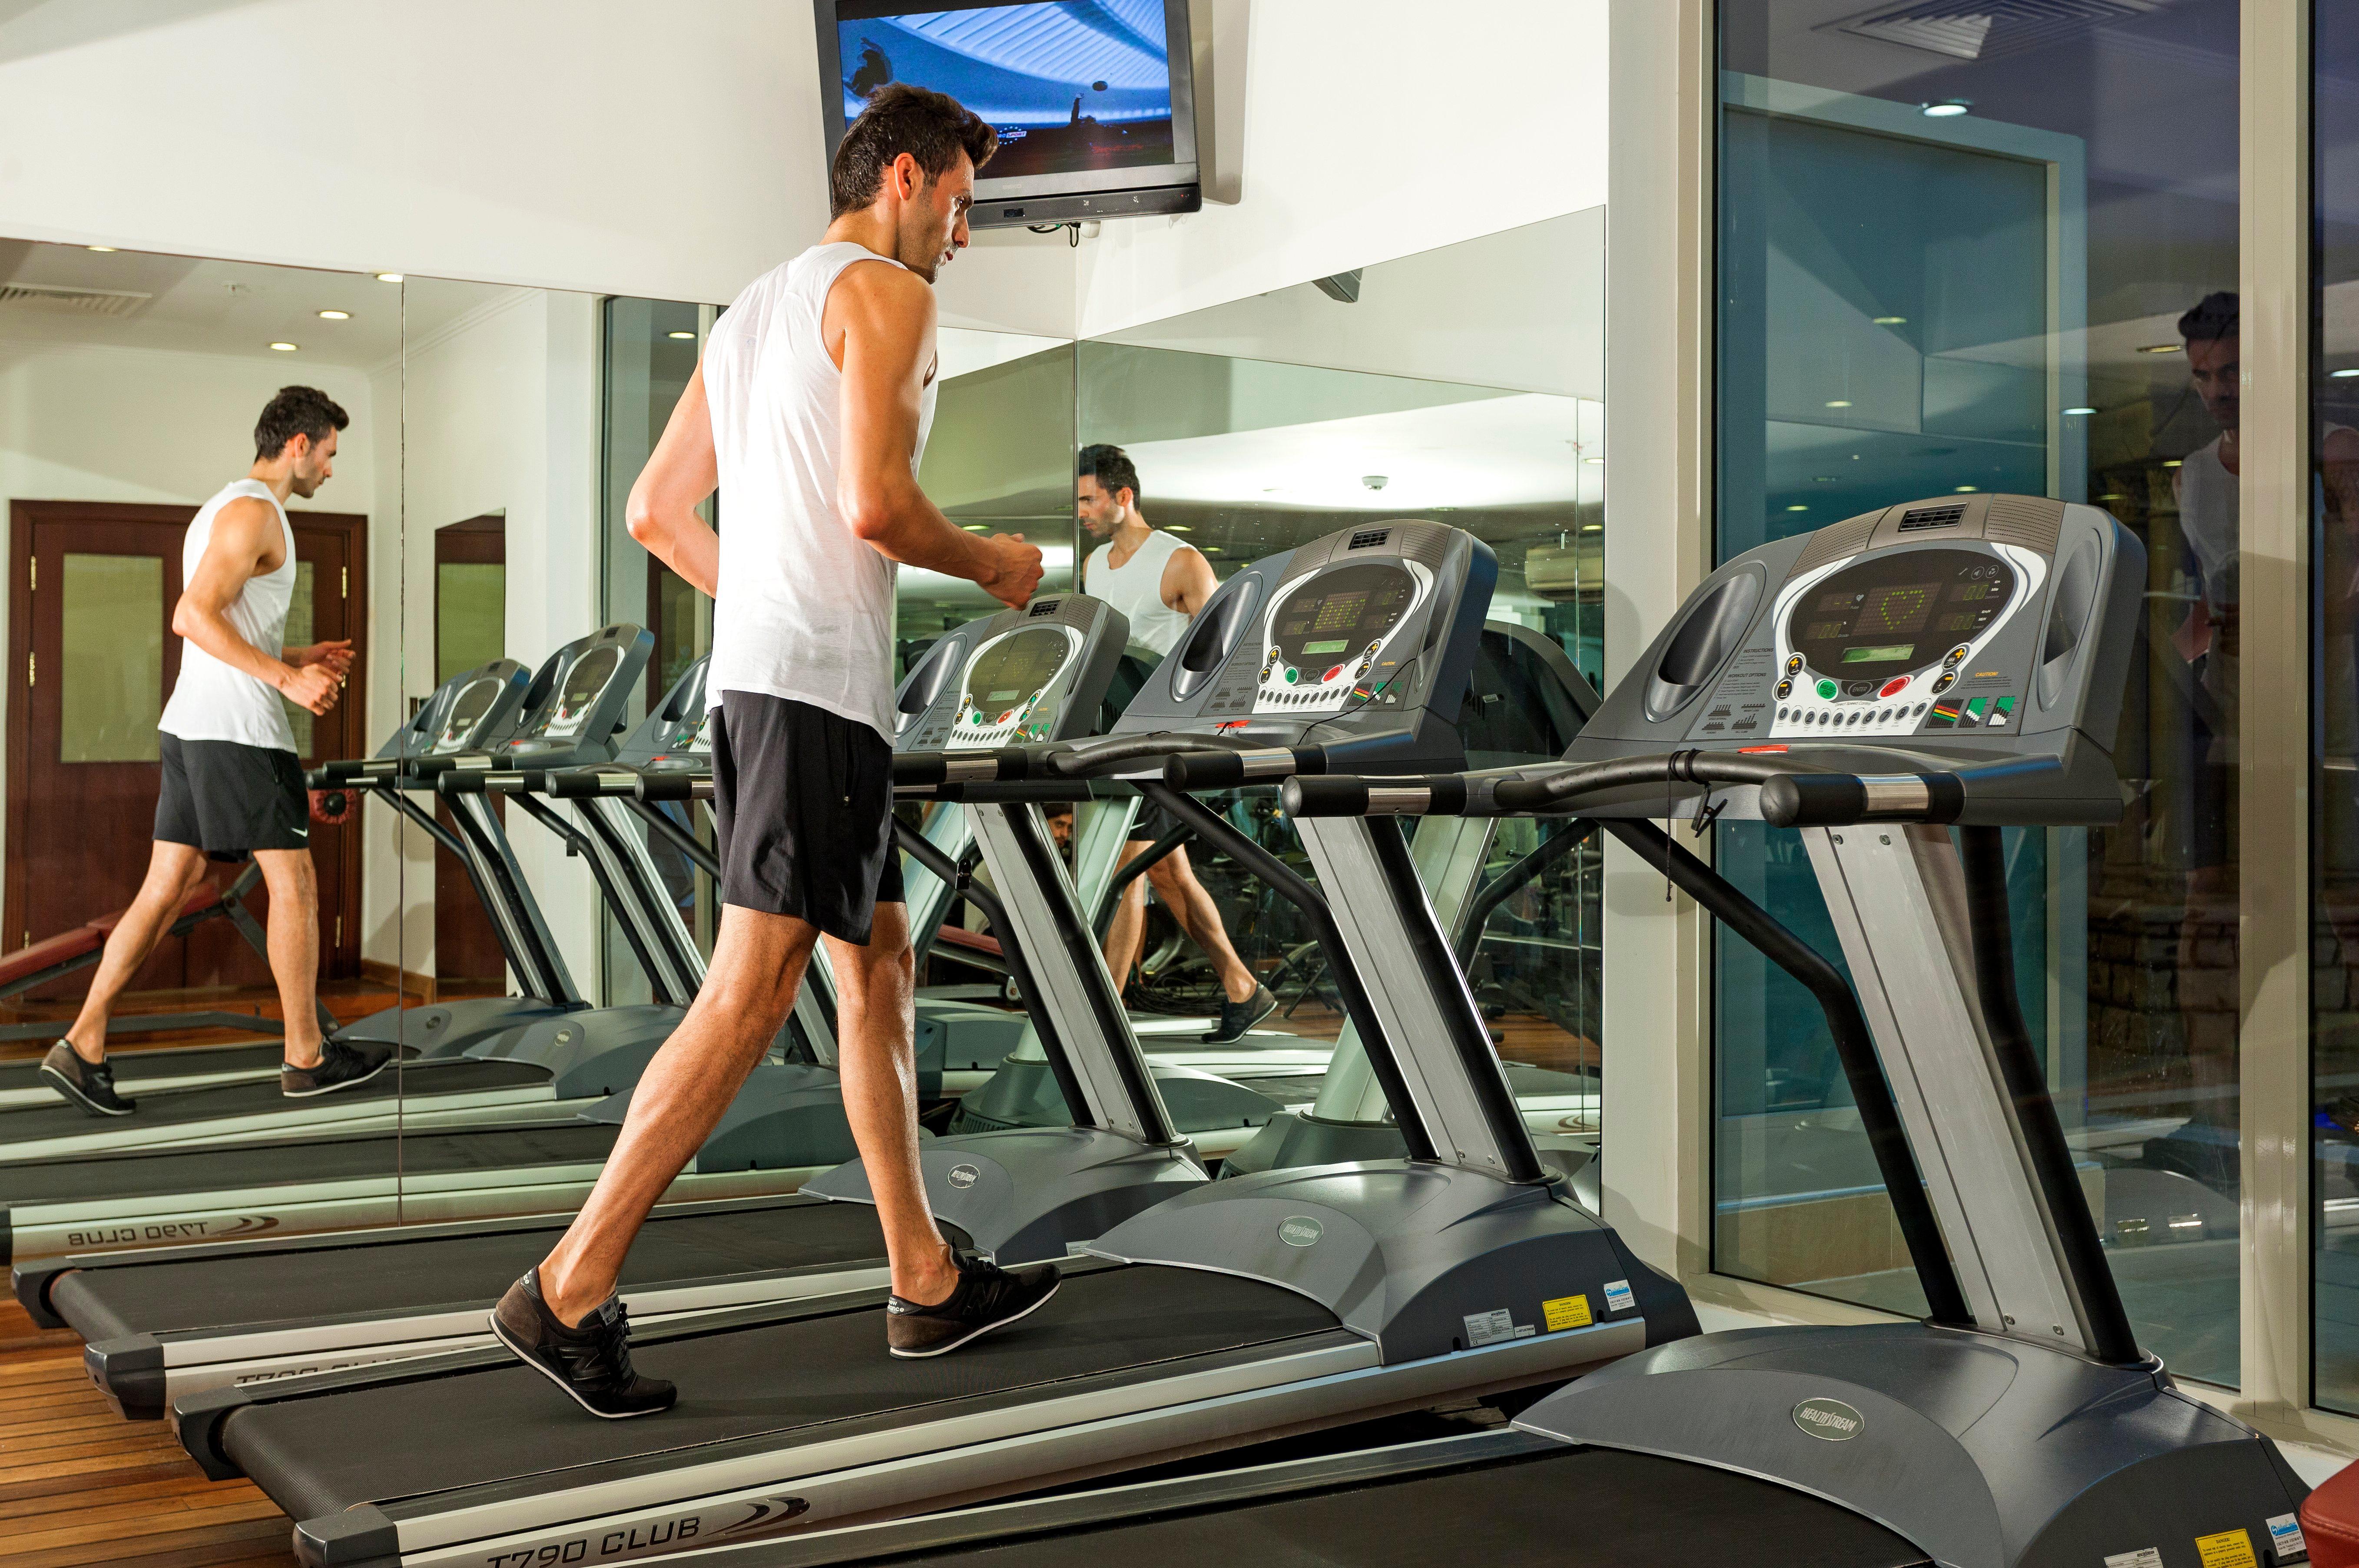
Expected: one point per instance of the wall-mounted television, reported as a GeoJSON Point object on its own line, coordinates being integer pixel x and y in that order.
{"type": "Point", "coordinates": [1094, 99]}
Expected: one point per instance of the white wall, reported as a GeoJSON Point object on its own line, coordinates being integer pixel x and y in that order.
{"type": "Point", "coordinates": [80, 422]}
{"type": "Point", "coordinates": [499, 414]}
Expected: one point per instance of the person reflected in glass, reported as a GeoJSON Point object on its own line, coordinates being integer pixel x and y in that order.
{"type": "Point", "coordinates": [1160, 583]}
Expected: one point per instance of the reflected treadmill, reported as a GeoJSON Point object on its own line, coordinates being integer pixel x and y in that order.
{"type": "Point", "coordinates": [1233, 1310]}
{"type": "Point", "coordinates": [163, 1326]}
{"type": "Point", "coordinates": [1900, 686]}
{"type": "Point", "coordinates": [570, 716]}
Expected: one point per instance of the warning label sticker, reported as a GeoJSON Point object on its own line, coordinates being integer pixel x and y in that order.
{"type": "Point", "coordinates": [2143, 1557]}
{"type": "Point", "coordinates": [2229, 1549]}
{"type": "Point", "coordinates": [1617, 1293]}
{"type": "Point", "coordinates": [2285, 1535]}
{"type": "Point", "coordinates": [1489, 1327]}
{"type": "Point", "coordinates": [1566, 1312]}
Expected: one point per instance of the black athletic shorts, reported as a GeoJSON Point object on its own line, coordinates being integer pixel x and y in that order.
{"type": "Point", "coordinates": [230, 799]}
{"type": "Point", "coordinates": [804, 798]}
{"type": "Point", "coordinates": [1151, 823]}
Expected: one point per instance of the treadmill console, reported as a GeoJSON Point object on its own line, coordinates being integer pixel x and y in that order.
{"type": "Point", "coordinates": [674, 736]}
{"type": "Point", "coordinates": [1036, 673]}
{"type": "Point", "coordinates": [577, 700]}
{"type": "Point", "coordinates": [1366, 635]}
{"type": "Point", "coordinates": [1953, 632]}
{"type": "Point", "coordinates": [475, 710]}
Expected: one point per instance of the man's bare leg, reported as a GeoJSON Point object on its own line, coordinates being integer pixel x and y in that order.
{"type": "Point", "coordinates": [1175, 882]}
{"type": "Point", "coordinates": [875, 1017]}
{"type": "Point", "coordinates": [749, 988]}
{"type": "Point", "coordinates": [173, 872]}
{"type": "Point", "coordinates": [1127, 930]}
{"type": "Point", "coordinates": [294, 942]}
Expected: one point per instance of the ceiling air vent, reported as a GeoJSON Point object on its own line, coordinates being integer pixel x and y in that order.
{"type": "Point", "coordinates": [65, 300]}
{"type": "Point", "coordinates": [1991, 29]}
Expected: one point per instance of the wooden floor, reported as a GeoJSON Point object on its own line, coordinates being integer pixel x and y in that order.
{"type": "Point", "coordinates": [79, 1484]}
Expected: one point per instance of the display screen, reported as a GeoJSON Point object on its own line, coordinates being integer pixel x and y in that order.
{"type": "Point", "coordinates": [1070, 85]}
{"type": "Point", "coordinates": [583, 682]}
{"type": "Point", "coordinates": [1362, 602]}
{"type": "Point", "coordinates": [1861, 622]}
{"type": "Point", "coordinates": [1014, 668]}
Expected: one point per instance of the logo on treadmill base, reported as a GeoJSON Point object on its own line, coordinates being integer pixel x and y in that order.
{"type": "Point", "coordinates": [1300, 1230]}
{"type": "Point", "coordinates": [965, 1176]}
{"type": "Point", "coordinates": [1829, 1419]}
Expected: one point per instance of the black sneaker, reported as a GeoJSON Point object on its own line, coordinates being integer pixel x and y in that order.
{"type": "Point", "coordinates": [1236, 1017]}
{"type": "Point", "coordinates": [340, 1067]}
{"type": "Point", "coordinates": [591, 1362]}
{"type": "Point", "coordinates": [93, 1089]}
{"type": "Point", "coordinates": [987, 1297]}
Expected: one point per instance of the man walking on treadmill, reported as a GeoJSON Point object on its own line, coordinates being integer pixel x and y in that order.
{"type": "Point", "coordinates": [1158, 583]}
{"type": "Point", "coordinates": [232, 784]}
{"type": "Point", "coordinates": [809, 410]}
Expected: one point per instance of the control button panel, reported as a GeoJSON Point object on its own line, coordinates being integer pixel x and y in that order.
{"type": "Point", "coordinates": [1330, 635]}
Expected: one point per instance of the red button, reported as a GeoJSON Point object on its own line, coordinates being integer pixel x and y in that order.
{"type": "Point", "coordinates": [1330, 674]}
{"type": "Point", "coordinates": [1005, 717]}
{"type": "Point", "coordinates": [1897, 683]}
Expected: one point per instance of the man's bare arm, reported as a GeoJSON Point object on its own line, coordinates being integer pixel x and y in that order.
{"type": "Point", "coordinates": [679, 473]}
{"type": "Point", "coordinates": [243, 534]}
{"type": "Point", "coordinates": [880, 329]}
{"type": "Point", "coordinates": [1188, 580]}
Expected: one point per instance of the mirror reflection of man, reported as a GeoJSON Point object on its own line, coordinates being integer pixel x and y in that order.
{"type": "Point", "coordinates": [1160, 583]}
{"type": "Point", "coordinates": [232, 786]}
{"type": "Point", "coordinates": [2209, 639]}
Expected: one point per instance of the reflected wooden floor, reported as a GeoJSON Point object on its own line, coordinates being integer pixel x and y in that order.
{"type": "Point", "coordinates": [79, 1484]}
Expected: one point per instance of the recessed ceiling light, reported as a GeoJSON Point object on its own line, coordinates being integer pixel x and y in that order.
{"type": "Point", "coordinates": [2083, 408]}
{"type": "Point", "coordinates": [682, 337]}
{"type": "Point", "coordinates": [1965, 490]}
{"type": "Point", "coordinates": [1797, 509]}
{"type": "Point", "coordinates": [1210, 550]}
{"type": "Point", "coordinates": [2114, 495]}
{"type": "Point", "coordinates": [335, 314]}
{"type": "Point", "coordinates": [2161, 348]}
{"type": "Point", "coordinates": [1839, 403]}
{"type": "Point", "coordinates": [104, 250]}
{"type": "Point", "coordinates": [1593, 528]}
{"type": "Point", "coordinates": [2170, 463]}
{"type": "Point", "coordinates": [1594, 462]}
{"type": "Point", "coordinates": [388, 278]}
{"type": "Point", "coordinates": [2344, 375]}
{"type": "Point", "coordinates": [286, 348]}
{"type": "Point", "coordinates": [1949, 111]}
{"type": "Point", "coordinates": [1177, 528]}
{"type": "Point", "coordinates": [1822, 479]}
{"type": "Point", "coordinates": [972, 528]}
{"type": "Point", "coordinates": [1892, 320]}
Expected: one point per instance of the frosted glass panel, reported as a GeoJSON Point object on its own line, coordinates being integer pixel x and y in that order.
{"type": "Point", "coordinates": [112, 688]}
{"type": "Point", "coordinates": [471, 616]}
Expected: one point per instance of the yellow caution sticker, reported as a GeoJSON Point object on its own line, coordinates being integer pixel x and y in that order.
{"type": "Point", "coordinates": [2229, 1549]}
{"type": "Point", "coordinates": [1566, 1312]}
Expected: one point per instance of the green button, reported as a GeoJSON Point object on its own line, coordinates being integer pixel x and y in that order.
{"type": "Point", "coordinates": [2007, 705]}
{"type": "Point", "coordinates": [1292, 675]}
{"type": "Point", "coordinates": [1827, 690]}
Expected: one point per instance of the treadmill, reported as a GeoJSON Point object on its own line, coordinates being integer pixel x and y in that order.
{"type": "Point", "coordinates": [161, 1327]}
{"type": "Point", "coordinates": [471, 710]}
{"type": "Point", "coordinates": [574, 709]}
{"type": "Point", "coordinates": [1234, 1309]}
{"type": "Point", "coordinates": [2019, 1425]}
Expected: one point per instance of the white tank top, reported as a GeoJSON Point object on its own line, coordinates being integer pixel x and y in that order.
{"type": "Point", "coordinates": [1136, 588]}
{"type": "Point", "coordinates": [2207, 516]}
{"type": "Point", "coordinates": [805, 610]}
{"type": "Point", "coordinates": [211, 701]}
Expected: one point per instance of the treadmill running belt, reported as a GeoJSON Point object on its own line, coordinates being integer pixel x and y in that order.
{"type": "Point", "coordinates": [174, 1107]}
{"type": "Point", "coordinates": [133, 1066]}
{"type": "Point", "coordinates": [1585, 1508]}
{"type": "Point", "coordinates": [222, 1167]}
{"type": "Point", "coordinates": [154, 1298]}
{"type": "Point", "coordinates": [322, 1455]}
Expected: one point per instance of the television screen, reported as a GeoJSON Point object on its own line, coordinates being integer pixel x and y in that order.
{"type": "Point", "coordinates": [1079, 89]}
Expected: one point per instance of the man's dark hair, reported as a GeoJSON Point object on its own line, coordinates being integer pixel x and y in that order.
{"type": "Point", "coordinates": [932, 127]}
{"type": "Point", "coordinates": [296, 411]}
{"type": "Point", "coordinates": [1111, 467]}
{"type": "Point", "coordinates": [2214, 317]}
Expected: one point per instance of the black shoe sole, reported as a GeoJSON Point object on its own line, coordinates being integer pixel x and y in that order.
{"type": "Point", "coordinates": [977, 1333]}
{"type": "Point", "coordinates": [521, 1354]}
{"type": "Point", "coordinates": [72, 1091]}
{"type": "Point", "coordinates": [330, 1088]}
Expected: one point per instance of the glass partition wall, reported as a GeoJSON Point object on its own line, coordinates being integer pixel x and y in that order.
{"type": "Point", "coordinates": [2002, 255]}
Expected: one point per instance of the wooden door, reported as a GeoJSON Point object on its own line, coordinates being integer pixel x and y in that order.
{"type": "Point", "coordinates": [469, 629]}
{"type": "Point", "coordinates": [91, 659]}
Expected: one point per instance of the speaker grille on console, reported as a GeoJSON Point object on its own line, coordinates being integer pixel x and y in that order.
{"type": "Point", "coordinates": [1918, 517]}
{"type": "Point", "coordinates": [2029, 521]}
{"type": "Point", "coordinates": [1045, 607]}
{"type": "Point", "coordinates": [1368, 538]}
{"type": "Point", "coordinates": [1837, 540]}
